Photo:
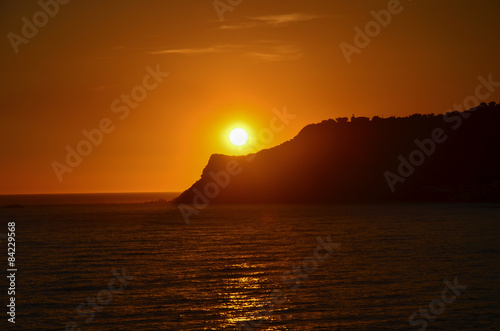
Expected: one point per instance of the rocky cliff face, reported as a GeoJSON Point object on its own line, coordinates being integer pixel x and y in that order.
{"type": "Point", "coordinates": [452, 157]}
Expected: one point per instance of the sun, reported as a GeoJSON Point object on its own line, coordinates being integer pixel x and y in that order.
{"type": "Point", "coordinates": [238, 136]}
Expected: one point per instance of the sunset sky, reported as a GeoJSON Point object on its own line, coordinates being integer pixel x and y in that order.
{"type": "Point", "coordinates": [264, 56]}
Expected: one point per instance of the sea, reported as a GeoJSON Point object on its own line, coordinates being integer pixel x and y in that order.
{"type": "Point", "coordinates": [125, 262]}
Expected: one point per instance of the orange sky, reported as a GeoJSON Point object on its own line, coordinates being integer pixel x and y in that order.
{"type": "Point", "coordinates": [263, 55]}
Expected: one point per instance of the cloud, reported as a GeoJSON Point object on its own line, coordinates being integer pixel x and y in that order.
{"type": "Point", "coordinates": [271, 21]}
{"type": "Point", "coordinates": [259, 51]}
{"type": "Point", "coordinates": [285, 18]}
{"type": "Point", "coordinates": [275, 53]}
{"type": "Point", "coordinates": [188, 51]}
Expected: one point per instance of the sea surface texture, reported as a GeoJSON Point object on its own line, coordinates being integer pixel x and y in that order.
{"type": "Point", "coordinates": [111, 262]}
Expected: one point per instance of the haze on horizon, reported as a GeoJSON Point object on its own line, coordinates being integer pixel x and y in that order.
{"type": "Point", "coordinates": [262, 57]}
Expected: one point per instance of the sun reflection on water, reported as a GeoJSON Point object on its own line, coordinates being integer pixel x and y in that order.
{"type": "Point", "coordinates": [243, 291]}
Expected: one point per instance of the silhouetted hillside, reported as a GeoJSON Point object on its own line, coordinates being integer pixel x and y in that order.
{"type": "Point", "coordinates": [366, 160]}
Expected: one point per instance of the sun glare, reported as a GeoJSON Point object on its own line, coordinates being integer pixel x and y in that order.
{"type": "Point", "coordinates": [238, 136]}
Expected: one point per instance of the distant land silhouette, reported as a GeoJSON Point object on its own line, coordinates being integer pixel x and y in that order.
{"type": "Point", "coordinates": [453, 157]}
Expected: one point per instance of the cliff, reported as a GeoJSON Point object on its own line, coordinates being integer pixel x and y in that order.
{"type": "Point", "coordinates": [451, 157]}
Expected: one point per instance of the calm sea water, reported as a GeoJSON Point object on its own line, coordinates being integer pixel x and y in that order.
{"type": "Point", "coordinates": [219, 270]}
